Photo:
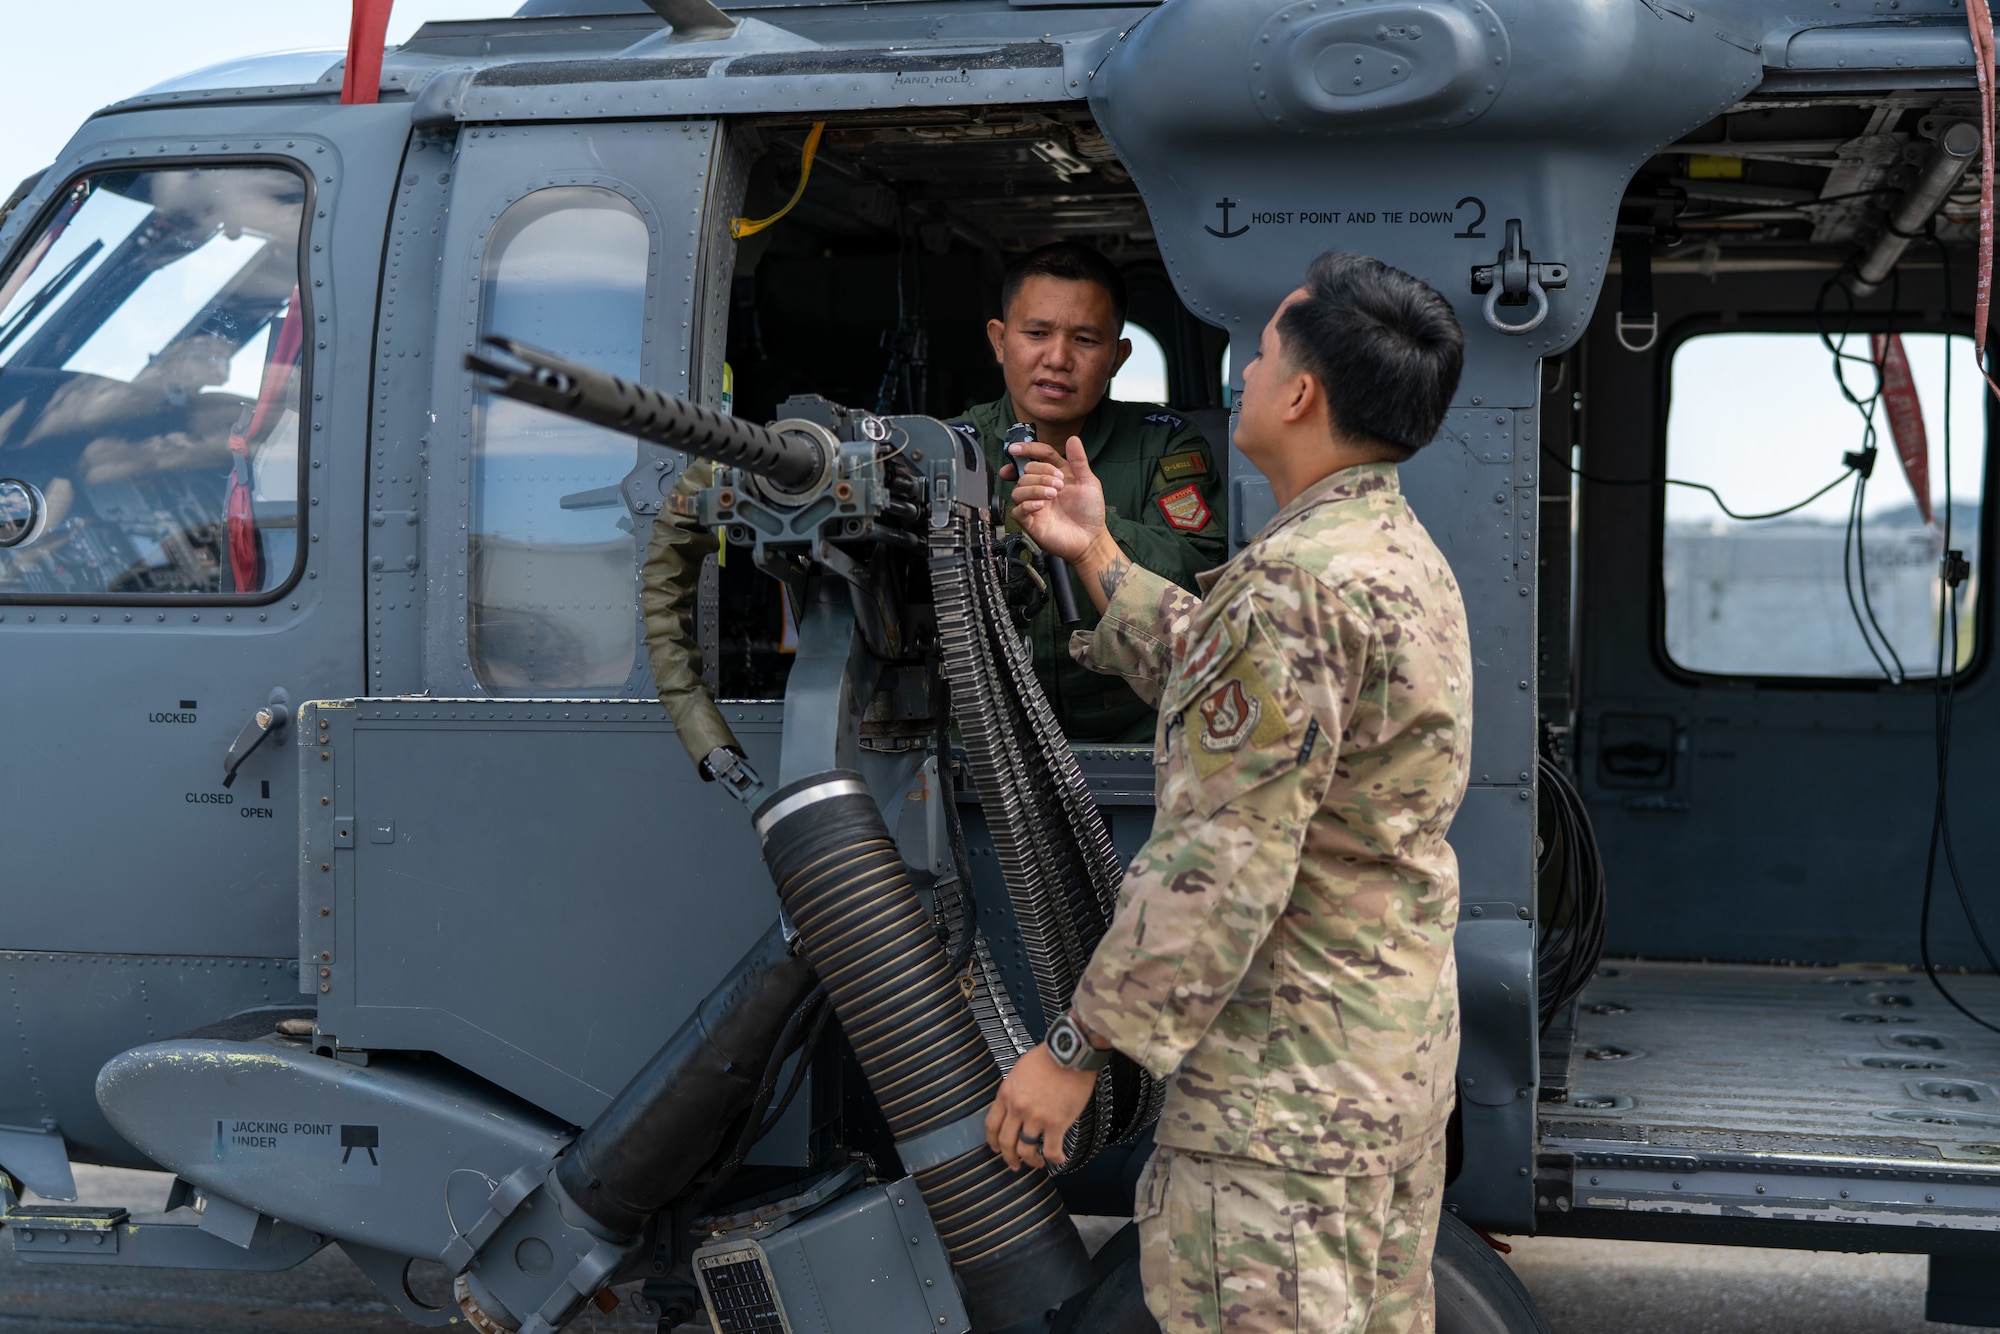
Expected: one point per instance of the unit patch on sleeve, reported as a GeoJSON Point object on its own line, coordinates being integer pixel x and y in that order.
{"type": "Point", "coordinates": [1185, 509]}
{"type": "Point", "coordinates": [1228, 716]}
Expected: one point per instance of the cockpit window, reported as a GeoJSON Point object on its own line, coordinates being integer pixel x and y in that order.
{"type": "Point", "coordinates": [552, 597]}
{"type": "Point", "coordinates": [1844, 585]}
{"type": "Point", "coordinates": [152, 340]}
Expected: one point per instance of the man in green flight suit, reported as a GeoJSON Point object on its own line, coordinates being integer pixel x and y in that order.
{"type": "Point", "coordinates": [1062, 308]}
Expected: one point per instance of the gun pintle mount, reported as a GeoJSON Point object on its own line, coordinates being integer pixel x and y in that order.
{"type": "Point", "coordinates": [897, 509]}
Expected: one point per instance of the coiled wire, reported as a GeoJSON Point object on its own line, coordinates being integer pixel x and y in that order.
{"type": "Point", "coordinates": [1569, 880]}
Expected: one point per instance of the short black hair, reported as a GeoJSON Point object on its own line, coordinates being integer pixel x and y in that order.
{"type": "Point", "coordinates": [1073, 262]}
{"type": "Point", "coordinates": [1384, 346]}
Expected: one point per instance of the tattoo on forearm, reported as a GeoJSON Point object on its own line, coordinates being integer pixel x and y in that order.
{"type": "Point", "coordinates": [1113, 574]}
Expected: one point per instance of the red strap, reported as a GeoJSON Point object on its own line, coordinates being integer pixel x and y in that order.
{"type": "Point", "coordinates": [239, 515]}
{"type": "Point", "coordinates": [1980, 18]}
{"type": "Point", "coordinates": [1906, 416]}
{"type": "Point", "coordinates": [362, 80]}
{"type": "Point", "coordinates": [278, 363]}
{"type": "Point", "coordinates": [242, 536]}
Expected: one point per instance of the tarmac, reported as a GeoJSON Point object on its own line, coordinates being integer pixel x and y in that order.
{"type": "Point", "coordinates": [1583, 1287]}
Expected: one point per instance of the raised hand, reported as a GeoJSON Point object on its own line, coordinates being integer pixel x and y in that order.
{"type": "Point", "coordinates": [1058, 500]}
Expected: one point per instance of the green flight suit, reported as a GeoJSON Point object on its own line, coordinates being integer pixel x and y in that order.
{"type": "Point", "coordinates": [1163, 505]}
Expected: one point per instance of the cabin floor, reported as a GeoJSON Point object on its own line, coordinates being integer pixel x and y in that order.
{"type": "Point", "coordinates": [1854, 1095]}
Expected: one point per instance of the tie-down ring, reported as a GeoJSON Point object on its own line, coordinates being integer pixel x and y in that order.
{"type": "Point", "coordinates": [1533, 322]}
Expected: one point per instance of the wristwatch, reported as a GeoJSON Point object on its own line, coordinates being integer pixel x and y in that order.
{"type": "Point", "coordinates": [1070, 1046]}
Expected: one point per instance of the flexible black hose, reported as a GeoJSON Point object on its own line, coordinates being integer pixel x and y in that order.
{"type": "Point", "coordinates": [670, 1120]}
{"type": "Point", "coordinates": [878, 955]}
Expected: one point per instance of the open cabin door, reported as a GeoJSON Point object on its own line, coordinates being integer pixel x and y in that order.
{"type": "Point", "coordinates": [1442, 139]}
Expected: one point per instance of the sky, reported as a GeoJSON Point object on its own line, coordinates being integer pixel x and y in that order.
{"type": "Point", "coordinates": [61, 62]}
{"type": "Point", "coordinates": [1760, 417]}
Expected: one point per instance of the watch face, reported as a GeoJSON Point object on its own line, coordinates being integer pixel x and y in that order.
{"type": "Point", "coordinates": [1068, 1044]}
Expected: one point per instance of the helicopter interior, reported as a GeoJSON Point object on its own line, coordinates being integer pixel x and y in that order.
{"type": "Point", "coordinates": [876, 287]}
{"type": "Point", "coordinates": [1753, 706]}
{"type": "Point", "coordinates": [149, 414]}
{"type": "Point", "coordinates": [1750, 655]}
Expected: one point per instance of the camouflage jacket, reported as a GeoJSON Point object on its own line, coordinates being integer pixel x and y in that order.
{"type": "Point", "coordinates": [1165, 508]}
{"type": "Point", "coordinates": [1282, 947]}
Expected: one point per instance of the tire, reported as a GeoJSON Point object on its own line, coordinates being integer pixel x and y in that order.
{"type": "Point", "coordinates": [1476, 1292]}
{"type": "Point", "coordinates": [1116, 1303]}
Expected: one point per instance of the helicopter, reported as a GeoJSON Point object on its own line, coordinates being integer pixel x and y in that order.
{"type": "Point", "coordinates": [359, 879]}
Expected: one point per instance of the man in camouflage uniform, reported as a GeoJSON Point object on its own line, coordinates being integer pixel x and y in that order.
{"type": "Point", "coordinates": [1057, 341]}
{"type": "Point", "coordinates": [1281, 952]}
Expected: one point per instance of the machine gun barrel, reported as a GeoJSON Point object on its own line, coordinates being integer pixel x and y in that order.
{"type": "Point", "coordinates": [545, 380]}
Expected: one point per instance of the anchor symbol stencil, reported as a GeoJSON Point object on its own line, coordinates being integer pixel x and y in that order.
{"type": "Point", "coordinates": [1225, 204]}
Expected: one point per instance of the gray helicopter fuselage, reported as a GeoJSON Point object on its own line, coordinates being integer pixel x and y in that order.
{"type": "Point", "coordinates": [486, 844]}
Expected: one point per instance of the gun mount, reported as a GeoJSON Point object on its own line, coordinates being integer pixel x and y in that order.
{"type": "Point", "coordinates": [896, 510]}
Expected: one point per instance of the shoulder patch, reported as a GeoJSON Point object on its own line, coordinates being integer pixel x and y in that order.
{"type": "Point", "coordinates": [966, 429]}
{"type": "Point", "coordinates": [1185, 509]}
{"type": "Point", "coordinates": [1216, 646]}
{"type": "Point", "coordinates": [1228, 716]}
{"type": "Point", "coordinates": [1237, 723]}
{"type": "Point", "coordinates": [1171, 420]}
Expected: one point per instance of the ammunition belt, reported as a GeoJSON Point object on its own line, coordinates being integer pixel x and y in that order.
{"type": "Point", "coordinates": [1055, 853]}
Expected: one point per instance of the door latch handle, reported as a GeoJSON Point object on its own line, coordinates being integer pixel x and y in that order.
{"type": "Point", "coordinates": [267, 720]}
{"type": "Point", "coordinates": [1515, 279]}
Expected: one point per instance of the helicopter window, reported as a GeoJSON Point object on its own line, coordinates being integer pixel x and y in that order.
{"type": "Point", "coordinates": [151, 344]}
{"type": "Point", "coordinates": [1143, 377]}
{"type": "Point", "coordinates": [1846, 585]}
{"type": "Point", "coordinates": [551, 552]}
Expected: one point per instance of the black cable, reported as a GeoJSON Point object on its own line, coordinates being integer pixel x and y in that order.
{"type": "Point", "coordinates": [806, 1049]}
{"type": "Point", "coordinates": [1715, 495]}
{"type": "Point", "coordinates": [1801, 204]}
{"type": "Point", "coordinates": [1769, 514]}
{"type": "Point", "coordinates": [1847, 541]}
{"type": "Point", "coordinates": [1853, 551]}
{"type": "Point", "coordinates": [811, 1015]}
{"type": "Point", "coordinates": [1571, 936]}
{"type": "Point", "coordinates": [1861, 571]}
{"type": "Point", "coordinates": [1944, 696]}
{"type": "Point", "coordinates": [961, 857]}
{"type": "Point", "coordinates": [1861, 486]}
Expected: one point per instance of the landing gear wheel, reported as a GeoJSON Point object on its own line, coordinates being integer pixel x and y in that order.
{"type": "Point", "coordinates": [1117, 1303]}
{"type": "Point", "coordinates": [1476, 1292]}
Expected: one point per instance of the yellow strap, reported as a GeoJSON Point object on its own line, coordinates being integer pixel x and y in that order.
{"type": "Point", "coordinates": [742, 227]}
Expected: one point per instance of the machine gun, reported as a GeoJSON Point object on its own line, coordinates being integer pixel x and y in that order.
{"type": "Point", "coordinates": [880, 529]}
